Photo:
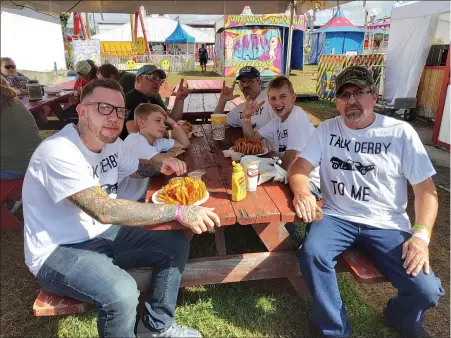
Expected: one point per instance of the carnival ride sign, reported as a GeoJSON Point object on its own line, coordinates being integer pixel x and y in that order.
{"type": "Point", "coordinates": [281, 20]}
{"type": "Point", "coordinates": [261, 48]}
{"type": "Point", "coordinates": [86, 50]}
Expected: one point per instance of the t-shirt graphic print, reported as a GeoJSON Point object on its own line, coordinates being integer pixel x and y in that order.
{"type": "Point", "coordinates": [364, 172]}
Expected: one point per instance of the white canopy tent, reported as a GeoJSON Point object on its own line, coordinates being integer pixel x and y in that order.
{"type": "Point", "coordinates": [180, 7]}
{"type": "Point", "coordinates": [169, 6]}
{"type": "Point", "coordinates": [412, 31]}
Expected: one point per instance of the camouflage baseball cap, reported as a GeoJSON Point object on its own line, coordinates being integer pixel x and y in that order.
{"type": "Point", "coordinates": [357, 75]}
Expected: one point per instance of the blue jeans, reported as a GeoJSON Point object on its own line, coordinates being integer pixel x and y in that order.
{"type": "Point", "coordinates": [94, 271]}
{"type": "Point", "coordinates": [6, 175]}
{"type": "Point", "coordinates": [329, 237]}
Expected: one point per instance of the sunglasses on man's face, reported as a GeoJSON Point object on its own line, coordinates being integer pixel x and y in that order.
{"type": "Point", "coordinates": [10, 66]}
{"type": "Point", "coordinates": [153, 77]}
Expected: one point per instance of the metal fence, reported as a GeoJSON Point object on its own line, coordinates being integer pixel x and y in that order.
{"type": "Point", "coordinates": [169, 63]}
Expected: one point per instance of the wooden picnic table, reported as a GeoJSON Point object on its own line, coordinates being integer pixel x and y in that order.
{"type": "Point", "coordinates": [202, 105]}
{"type": "Point", "coordinates": [265, 210]}
{"type": "Point", "coordinates": [66, 85]}
{"type": "Point", "coordinates": [203, 86]}
{"type": "Point", "coordinates": [54, 103]}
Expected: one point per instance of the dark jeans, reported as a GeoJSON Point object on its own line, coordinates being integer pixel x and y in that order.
{"type": "Point", "coordinates": [94, 271]}
{"type": "Point", "coordinates": [6, 175]}
{"type": "Point", "coordinates": [327, 238]}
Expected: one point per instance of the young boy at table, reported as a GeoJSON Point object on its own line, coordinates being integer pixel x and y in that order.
{"type": "Point", "coordinates": [289, 131]}
{"type": "Point", "coordinates": [149, 143]}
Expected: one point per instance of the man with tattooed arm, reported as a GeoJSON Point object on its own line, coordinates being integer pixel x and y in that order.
{"type": "Point", "coordinates": [80, 239]}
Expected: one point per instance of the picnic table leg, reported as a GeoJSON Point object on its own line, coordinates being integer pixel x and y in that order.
{"type": "Point", "coordinates": [220, 241]}
{"type": "Point", "coordinates": [276, 238]}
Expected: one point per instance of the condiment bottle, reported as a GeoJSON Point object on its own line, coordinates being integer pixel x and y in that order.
{"type": "Point", "coordinates": [238, 182]}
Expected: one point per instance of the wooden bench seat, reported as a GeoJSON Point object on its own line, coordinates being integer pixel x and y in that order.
{"type": "Point", "coordinates": [10, 190]}
{"type": "Point", "coordinates": [234, 268]}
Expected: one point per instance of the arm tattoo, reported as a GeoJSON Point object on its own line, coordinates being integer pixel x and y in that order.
{"type": "Point", "coordinates": [97, 204]}
{"type": "Point", "coordinates": [191, 214]}
{"type": "Point", "coordinates": [146, 169]}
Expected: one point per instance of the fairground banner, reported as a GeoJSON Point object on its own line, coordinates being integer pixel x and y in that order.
{"type": "Point", "coordinates": [86, 50]}
{"type": "Point", "coordinates": [330, 66]}
{"type": "Point", "coordinates": [261, 48]}
{"type": "Point", "coordinates": [281, 20]}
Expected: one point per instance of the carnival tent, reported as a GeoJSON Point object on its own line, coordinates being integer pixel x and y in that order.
{"type": "Point", "coordinates": [179, 36]}
{"type": "Point", "coordinates": [412, 30]}
{"type": "Point", "coordinates": [337, 36]}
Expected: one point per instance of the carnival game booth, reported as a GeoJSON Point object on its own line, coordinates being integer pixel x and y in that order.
{"type": "Point", "coordinates": [330, 66]}
{"type": "Point", "coordinates": [338, 36]}
{"type": "Point", "coordinates": [377, 36]}
{"type": "Point", "coordinates": [180, 62]}
{"type": "Point", "coordinates": [257, 40]}
{"type": "Point", "coordinates": [414, 28]}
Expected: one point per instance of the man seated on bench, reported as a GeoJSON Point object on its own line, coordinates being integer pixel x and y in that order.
{"type": "Point", "coordinates": [147, 87]}
{"type": "Point", "coordinates": [366, 160]}
{"type": "Point", "coordinates": [251, 86]}
{"type": "Point", "coordinates": [79, 238]}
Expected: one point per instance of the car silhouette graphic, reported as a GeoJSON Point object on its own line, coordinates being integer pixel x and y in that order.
{"type": "Point", "coordinates": [351, 165]}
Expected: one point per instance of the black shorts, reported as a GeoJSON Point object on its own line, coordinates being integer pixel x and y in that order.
{"type": "Point", "coordinates": [203, 62]}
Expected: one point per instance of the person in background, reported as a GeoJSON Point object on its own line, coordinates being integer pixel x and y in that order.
{"type": "Point", "coordinates": [86, 71]}
{"type": "Point", "coordinates": [147, 87]}
{"type": "Point", "coordinates": [149, 143]}
{"type": "Point", "coordinates": [125, 79]}
{"type": "Point", "coordinates": [19, 137]}
{"type": "Point", "coordinates": [9, 71]}
{"type": "Point", "coordinates": [251, 86]}
{"type": "Point", "coordinates": [367, 160]}
{"type": "Point", "coordinates": [203, 58]}
{"type": "Point", "coordinates": [19, 134]}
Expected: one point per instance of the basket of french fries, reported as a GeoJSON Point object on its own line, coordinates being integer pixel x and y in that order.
{"type": "Point", "coordinates": [184, 191]}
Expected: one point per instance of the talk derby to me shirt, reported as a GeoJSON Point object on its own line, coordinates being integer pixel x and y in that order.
{"type": "Point", "coordinates": [364, 172]}
{"type": "Point", "coordinates": [60, 167]}
{"type": "Point", "coordinates": [135, 189]}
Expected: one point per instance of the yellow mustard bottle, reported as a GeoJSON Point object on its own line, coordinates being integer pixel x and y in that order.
{"type": "Point", "coordinates": [238, 182]}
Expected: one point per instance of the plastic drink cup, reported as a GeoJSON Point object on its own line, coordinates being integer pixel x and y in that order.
{"type": "Point", "coordinates": [218, 123]}
{"type": "Point", "coordinates": [250, 165]}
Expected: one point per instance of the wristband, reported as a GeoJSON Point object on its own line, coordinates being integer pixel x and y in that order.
{"type": "Point", "coordinates": [175, 125]}
{"type": "Point", "coordinates": [421, 229]}
{"type": "Point", "coordinates": [178, 213]}
{"type": "Point", "coordinates": [422, 236]}
{"type": "Point", "coordinates": [245, 118]}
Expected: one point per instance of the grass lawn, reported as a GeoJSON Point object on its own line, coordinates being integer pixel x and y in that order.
{"type": "Point", "coordinates": [269, 308]}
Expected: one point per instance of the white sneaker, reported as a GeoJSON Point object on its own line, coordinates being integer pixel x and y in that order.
{"type": "Point", "coordinates": [175, 331]}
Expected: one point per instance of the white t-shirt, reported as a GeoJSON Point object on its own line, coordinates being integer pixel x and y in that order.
{"type": "Point", "coordinates": [60, 167]}
{"type": "Point", "coordinates": [364, 172]}
{"type": "Point", "coordinates": [135, 189]}
{"type": "Point", "coordinates": [292, 134]}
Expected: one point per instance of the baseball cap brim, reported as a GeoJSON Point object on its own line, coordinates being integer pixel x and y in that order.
{"type": "Point", "coordinates": [247, 76]}
{"type": "Point", "coordinates": [161, 73]}
{"type": "Point", "coordinates": [361, 84]}
{"type": "Point", "coordinates": [149, 69]}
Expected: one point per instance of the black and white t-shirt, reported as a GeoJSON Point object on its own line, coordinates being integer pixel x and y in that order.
{"type": "Point", "coordinates": [292, 134]}
{"type": "Point", "coordinates": [60, 167]}
{"type": "Point", "coordinates": [364, 172]}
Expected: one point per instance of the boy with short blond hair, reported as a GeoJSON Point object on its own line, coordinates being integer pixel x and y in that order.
{"type": "Point", "coordinates": [149, 143]}
{"type": "Point", "coordinates": [289, 131]}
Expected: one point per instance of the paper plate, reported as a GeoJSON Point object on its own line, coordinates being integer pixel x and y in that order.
{"type": "Point", "coordinates": [264, 152]}
{"type": "Point", "coordinates": [200, 202]}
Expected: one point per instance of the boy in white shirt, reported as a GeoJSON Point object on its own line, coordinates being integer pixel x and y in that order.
{"type": "Point", "coordinates": [149, 143]}
{"type": "Point", "coordinates": [289, 131]}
